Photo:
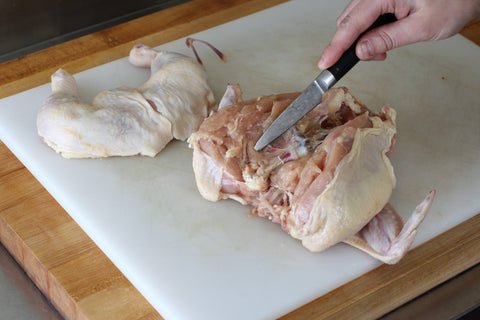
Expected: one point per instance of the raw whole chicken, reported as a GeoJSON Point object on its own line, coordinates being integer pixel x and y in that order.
{"type": "Point", "coordinates": [326, 180]}
{"type": "Point", "coordinates": [128, 121]}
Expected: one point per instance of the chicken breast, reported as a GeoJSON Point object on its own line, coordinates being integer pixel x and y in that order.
{"type": "Point", "coordinates": [128, 121]}
{"type": "Point", "coordinates": [326, 180]}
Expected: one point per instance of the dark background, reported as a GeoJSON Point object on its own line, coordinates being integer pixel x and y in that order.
{"type": "Point", "coordinates": [31, 25]}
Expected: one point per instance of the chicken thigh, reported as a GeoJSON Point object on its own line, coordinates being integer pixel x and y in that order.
{"type": "Point", "coordinates": [128, 121]}
{"type": "Point", "coordinates": [326, 180]}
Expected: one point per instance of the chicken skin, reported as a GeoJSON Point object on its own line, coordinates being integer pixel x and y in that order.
{"type": "Point", "coordinates": [326, 180]}
{"type": "Point", "coordinates": [128, 121]}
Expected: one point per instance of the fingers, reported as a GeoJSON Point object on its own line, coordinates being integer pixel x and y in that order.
{"type": "Point", "coordinates": [356, 18]}
{"type": "Point", "coordinates": [426, 20]}
{"type": "Point", "coordinates": [375, 43]}
{"type": "Point", "coordinates": [385, 38]}
{"type": "Point", "coordinates": [347, 32]}
{"type": "Point", "coordinates": [347, 10]}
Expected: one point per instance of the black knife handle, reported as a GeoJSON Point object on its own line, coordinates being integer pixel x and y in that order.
{"type": "Point", "coordinates": [349, 58]}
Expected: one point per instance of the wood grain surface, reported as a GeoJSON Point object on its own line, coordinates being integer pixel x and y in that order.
{"type": "Point", "coordinates": [81, 281]}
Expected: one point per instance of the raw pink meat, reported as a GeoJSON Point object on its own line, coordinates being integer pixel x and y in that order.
{"type": "Point", "coordinates": [326, 180]}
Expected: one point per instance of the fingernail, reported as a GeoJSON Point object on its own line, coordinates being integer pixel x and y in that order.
{"type": "Point", "coordinates": [321, 62]}
{"type": "Point", "coordinates": [366, 49]}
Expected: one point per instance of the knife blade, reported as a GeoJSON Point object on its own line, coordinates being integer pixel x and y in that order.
{"type": "Point", "coordinates": [312, 95]}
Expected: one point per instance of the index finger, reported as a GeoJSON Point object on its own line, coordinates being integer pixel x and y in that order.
{"type": "Point", "coordinates": [356, 18]}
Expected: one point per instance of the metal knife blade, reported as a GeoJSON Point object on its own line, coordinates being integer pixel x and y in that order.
{"type": "Point", "coordinates": [303, 104]}
{"type": "Point", "coordinates": [312, 96]}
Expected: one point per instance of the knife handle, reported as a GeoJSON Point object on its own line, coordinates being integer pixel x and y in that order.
{"type": "Point", "coordinates": [349, 58]}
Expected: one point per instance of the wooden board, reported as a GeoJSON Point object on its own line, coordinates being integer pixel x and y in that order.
{"type": "Point", "coordinates": [80, 280]}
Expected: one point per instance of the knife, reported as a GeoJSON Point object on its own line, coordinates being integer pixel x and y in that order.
{"type": "Point", "coordinates": [312, 95]}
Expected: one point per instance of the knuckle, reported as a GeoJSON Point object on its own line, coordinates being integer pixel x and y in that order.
{"type": "Point", "coordinates": [387, 40]}
{"type": "Point", "coordinates": [344, 22]}
{"type": "Point", "coordinates": [349, 25]}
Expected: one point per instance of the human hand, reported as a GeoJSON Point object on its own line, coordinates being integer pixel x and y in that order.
{"type": "Point", "coordinates": [421, 20]}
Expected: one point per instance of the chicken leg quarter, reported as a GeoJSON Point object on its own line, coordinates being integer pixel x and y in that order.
{"type": "Point", "coordinates": [128, 121]}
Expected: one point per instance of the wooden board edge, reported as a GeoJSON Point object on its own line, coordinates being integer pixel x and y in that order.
{"type": "Point", "coordinates": [42, 278]}
{"type": "Point", "coordinates": [115, 43]}
{"type": "Point", "coordinates": [315, 307]}
{"type": "Point", "coordinates": [471, 31]}
{"type": "Point", "coordinates": [390, 286]}
{"type": "Point", "coordinates": [44, 240]}
{"type": "Point", "coordinates": [105, 46]}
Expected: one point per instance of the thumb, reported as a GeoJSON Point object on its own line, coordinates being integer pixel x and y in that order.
{"type": "Point", "coordinates": [378, 41]}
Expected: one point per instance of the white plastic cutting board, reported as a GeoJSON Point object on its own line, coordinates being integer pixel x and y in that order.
{"type": "Point", "coordinates": [193, 259]}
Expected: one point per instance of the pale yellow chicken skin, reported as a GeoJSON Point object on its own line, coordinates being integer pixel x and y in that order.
{"type": "Point", "coordinates": [128, 121]}
{"type": "Point", "coordinates": [326, 180]}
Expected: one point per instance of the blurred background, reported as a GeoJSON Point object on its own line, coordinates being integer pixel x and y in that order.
{"type": "Point", "coordinates": [30, 25]}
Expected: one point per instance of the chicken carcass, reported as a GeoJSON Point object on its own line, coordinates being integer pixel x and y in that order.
{"type": "Point", "coordinates": [326, 180]}
{"type": "Point", "coordinates": [128, 121]}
